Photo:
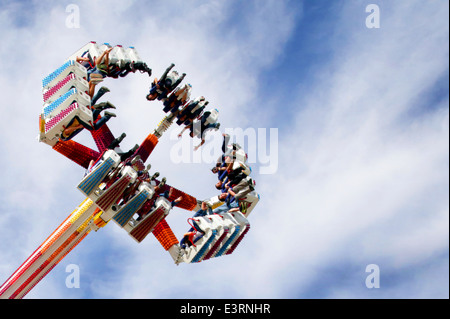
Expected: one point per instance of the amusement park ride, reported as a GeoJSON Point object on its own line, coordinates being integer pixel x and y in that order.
{"type": "Point", "coordinates": [117, 185]}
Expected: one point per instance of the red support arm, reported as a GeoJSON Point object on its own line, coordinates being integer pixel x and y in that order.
{"type": "Point", "coordinates": [76, 152]}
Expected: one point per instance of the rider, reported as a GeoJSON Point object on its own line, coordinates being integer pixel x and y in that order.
{"type": "Point", "coordinates": [76, 125]}
{"type": "Point", "coordinates": [195, 233]}
{"type": "Point", "coordinates": [166, 84]}
{"type": "Point", "coordinates": [178, 97]}
{"type": "Point", "coordinates": [98, 71]}
{"type": "Point", "coordinates": [192, 110]}
{"type": "Point", "coordinates": [207, 122]}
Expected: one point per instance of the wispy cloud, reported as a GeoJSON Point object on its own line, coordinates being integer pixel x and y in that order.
{"type": "Point", "coordinates": [372, 178]}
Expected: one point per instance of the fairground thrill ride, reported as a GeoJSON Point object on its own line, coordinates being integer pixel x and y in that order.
{"type": "Point", "coordinates": [117, 184]}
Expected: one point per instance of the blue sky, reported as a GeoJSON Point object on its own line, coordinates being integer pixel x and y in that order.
{"type": "Point", "coordinates": [363, 155]}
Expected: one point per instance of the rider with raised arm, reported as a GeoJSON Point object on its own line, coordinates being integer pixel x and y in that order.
{"type": "Point", "coordinates": [166, 84]}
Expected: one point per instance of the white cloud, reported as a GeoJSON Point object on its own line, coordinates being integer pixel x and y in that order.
{"type": "Point", "coordinates": [366, 168]}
